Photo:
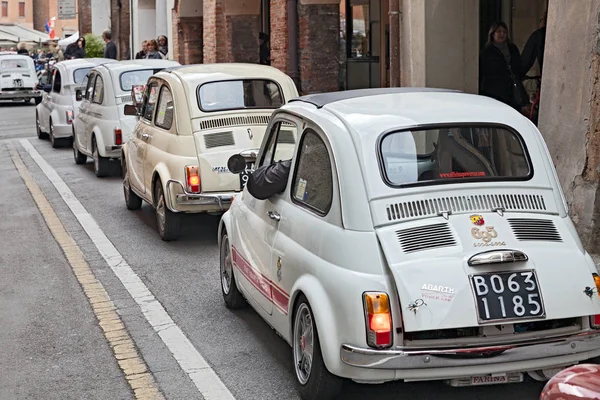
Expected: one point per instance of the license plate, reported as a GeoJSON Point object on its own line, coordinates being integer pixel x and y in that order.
{"type": "Point", "coordinates": [245, 175]}
{"type": "Point", "coordinates": [18, 83]}
{"type": "Point", "coordinates": [507, 296]}
{"type": "Point", "coordinates": [480, 380]}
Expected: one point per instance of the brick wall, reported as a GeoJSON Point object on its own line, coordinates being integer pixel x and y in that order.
{"type": "Point", "coordinates": [121, 27]}
{"type": "Point", "coordinates": [279, 35]}
{"type": "Point", "coordinates": [40, 14]}
{"type": "Point", "coordinates": [318, 30]}
{"type": "Point", "coordinates": [176, 36]}
{"type": "Point", "coordinates": [214, 33]}
{"type": "Point", "coordinates": [192, 49]}
{"type": "Point", "coordinates": [84, 9]}
{"type": "Point", "coordinates": [242, 38]}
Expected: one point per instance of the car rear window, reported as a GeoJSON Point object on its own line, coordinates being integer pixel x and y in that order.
{"type": "Point", "coordinates": [80, 75]}
{"type": "Point", "coordinates": [239, 94]}
{"type": "Point", "coordinates": [13, 63]}
{"type": "Point", "coordinates": [453, 154]}
{"type": "Point", "coordinates": [137, 77]}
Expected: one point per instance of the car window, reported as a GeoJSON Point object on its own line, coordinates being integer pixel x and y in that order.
{"type": "Point", "coordinates": [239, 94]}
{"type": "Point", "coordinates": [150, 100]}
{"type": "Point", "coordinates": [98, 90]}
{"type": "Point", "coordinates": [13, 64]}
{"type": "Point", "coordinates": [89, 90]}
{"type": "Point", "coordinates": [80, 75]}
{"type": "Point", "coordinates": [453, 154]}
{"type": "Point", "coordinates": [56, 83]}
{"type": "Point", "coordinates": [282, 143]}
{"type": "Point", "coordinates": [313, 179]}
{"type": "Point", "coordinates": [138, 77]}
{"type": "Point", "coordinates": [164, 114]}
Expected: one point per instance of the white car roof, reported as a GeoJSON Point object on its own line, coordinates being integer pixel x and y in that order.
{"type": "Point", "coordinates": [14, 56]}
{"type": "Point", "coordinates": [130, 65]}
{"type": "Point", "coordinates": [197, 74]}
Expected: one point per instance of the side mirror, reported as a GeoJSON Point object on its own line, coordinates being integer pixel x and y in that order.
{"type": "Point", "coordinates": [78, 95]}
{"type": "Point", "coordinates": [130, 109]}
{"type": "Point", "coordinates": [47, 88]}
{"type": "Point", "coordinates": [236, 163]}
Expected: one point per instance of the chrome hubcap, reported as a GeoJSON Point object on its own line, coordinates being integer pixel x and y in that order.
{"type": "Point", "coordinates": [160, 211]}
{"type": "Point", "coordinates": [303, 343]}
{"type": "Point", "coordinates": [226, 266]}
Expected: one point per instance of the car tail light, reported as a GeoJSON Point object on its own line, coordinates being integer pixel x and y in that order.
{"type": "Point", "coordinates": [118, 136]}
{"type": "Point", "coordinates": [595, 319]}
{"type": "Point", "coordinates": [378, 319]}
{"type": "Point", "coordinates": [192, 179]}
{"type": "Point", "coordinates": [69, 117]}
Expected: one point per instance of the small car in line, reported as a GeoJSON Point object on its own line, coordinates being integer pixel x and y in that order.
{"type": "Point", "coordinates": [60, 105]}
{"type": "Point", "coordinates": [101, 126]}
{"type": "Point", "coordinates": [191, 120]}
{"type": "Point", "coordinates": [410, 234]}
{"type": "Point", "coordinates": [18, 79]}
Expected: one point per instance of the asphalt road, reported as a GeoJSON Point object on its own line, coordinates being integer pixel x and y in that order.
{"type": "Point", "coordinates": [52, 337]}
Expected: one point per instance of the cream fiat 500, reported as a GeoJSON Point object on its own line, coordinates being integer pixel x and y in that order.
{"type": "Point", "coordinates": [190, 121]}
{"type": "Point", "coordinates": [410, 234]}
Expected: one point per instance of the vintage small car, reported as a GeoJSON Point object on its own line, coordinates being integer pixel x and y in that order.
{"type": "Point", "coordinates": [55, 115]}
{"type": "Point", "coordinates": [101, 126]}
{"type": "Point", "coordinates": [409, 234]}
{"type": "Point", "coordinates": [18, 78]}
{"type": "Point", "coordinates": [191, 120]}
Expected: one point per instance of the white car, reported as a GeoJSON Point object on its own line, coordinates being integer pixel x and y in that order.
{"type": "Point", "coordinates": [59, 108]}
{"type": "Point", "coordinates": [410, 234]}
{"type": "Point", "coordinates": [18, 78]}
{"type": "Point", "coordinates": [101, 127]}
{"type": "Point", "coordinates": [192, 119]}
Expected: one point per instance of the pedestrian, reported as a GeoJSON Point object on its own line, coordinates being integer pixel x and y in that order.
{"type": "Point", "coordinates": [153, 53]}
{"type": "Point", "coordinates": [534, 47]}
{"type": "Point", "coordinates": [79, 51]}
{"type": "Point", "coordinates": [142, 53]}
{"type": "Point", "coordinates": [163, 45]}
{"type": "Point", "coordinates": [21, 49]}
{"type": "Point", "coordinates": [110, 51]}
{"type": "Point", "coordinates": [265, 51]}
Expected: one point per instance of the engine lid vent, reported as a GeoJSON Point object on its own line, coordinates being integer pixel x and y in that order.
{"type": "Point", "coordinates": [527, 229]}
{"type": "Point", "coordinates": [425, 237]}
{"type": "Point", "coordinates": [235, 121]}
{"type": "Point", "coordinates": [218, 139]}
{"type": "Point", "coordinates": [458, 204]}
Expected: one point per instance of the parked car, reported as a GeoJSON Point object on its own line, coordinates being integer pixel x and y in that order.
{"type": "Point", "coordinates": [60, 105]}
{"type": "Point", "coordinates": [191, 120]}
{"type": "Point", "coordinates": [18, 79]}
{"type": "Point", "coordinates": [580, 382]}
{"type": "Point", "coordinates": [410, 234]}
{"type": "Point", "coordinates": [101, 127]}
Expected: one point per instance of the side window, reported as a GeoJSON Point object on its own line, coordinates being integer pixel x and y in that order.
{"type": "Point", "coordinates": [150, 101]}
{"type": "Point", "coordinates": [89, 90]}
{"type": "Point", "coordinates": [313, 180]}
{"type": "Point", "coordinates": [98, 91]}
{"type": "Point", "coordinates": [164, 114]}
{"type": "Point", "coordinates": [57, 81]}
{"type": "Point", "coordinates": [282, 143]}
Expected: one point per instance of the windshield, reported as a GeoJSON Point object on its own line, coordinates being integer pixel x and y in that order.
{"type": "Point", "coordinates": [453, 154]}
{"type": "Point", "coordinates": [13, 63]}
{"type": "Point", "coordinates": [230, 95]}
{"type": "Point", "coordinates": [80, 75]}
{"type": "Point", "coordinates": [137, 77]}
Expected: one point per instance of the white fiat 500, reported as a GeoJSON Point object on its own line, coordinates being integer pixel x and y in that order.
{"type": "Point", "coordinates": [410, 234]}
{"type": "Point", "coordinates": [18, 79]}
{"type": "Point", "coordinates": [60, 105]}
{"type": "Point", "coordinates": [191, 120]}
{"type": "Point", "coordinates": [101, 127]}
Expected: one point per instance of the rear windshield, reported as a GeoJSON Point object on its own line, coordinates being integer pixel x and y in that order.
{"type": "Point", "coordinates": [231, 95]}
{"type": "Point", "coordinates": [453, 154]}
{"type": "Point", "coordinates": [137, 77]}
{"type": "Point", "coordinates": [13, 63]}
{"type": "Point", "coordinates": [80, 75]}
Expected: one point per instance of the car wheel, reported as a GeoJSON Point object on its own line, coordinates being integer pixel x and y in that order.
{"type": "Point", "coordinates": [54, 141]}
{"type": "Point", "coordinates": [79, 157]}
{"type": "Point", "coordinates": [231, 295]}
{"type": "Point", "coordinates": [168, 222]}
{"type": "Point", "coordinates": [101, 164]}
{"type": "Point", "coordinates": [316, 382]}
{"type": "Point", "coordinates": [40, 134]}
{"type": "Point", "coordinates": [132, 200]}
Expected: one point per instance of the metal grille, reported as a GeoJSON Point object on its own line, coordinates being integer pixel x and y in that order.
{"type": "Point", "coordinates": [218, 139]}
{"type": "Point", "coordinates": [425, 237]}
{"type": "Point", "coordinates": [473, 203]}
{"type": "Point", "coordinates": [534, 229]}
{"type": "Point", "coordinates": [235, 121]}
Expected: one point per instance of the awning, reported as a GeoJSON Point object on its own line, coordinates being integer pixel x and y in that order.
{"type": "Point", "coordinates": [16, 33]}
{"type": "Point", "coordinates": [71, 39]}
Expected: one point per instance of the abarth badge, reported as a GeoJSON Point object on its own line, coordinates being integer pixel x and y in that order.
{"type": "Point", "coordinates": [477, 220]}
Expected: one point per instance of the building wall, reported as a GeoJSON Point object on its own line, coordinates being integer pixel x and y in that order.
{"type": "Point", "coordinates": [40, 14]}
{"type": "Point", "coordinates": [84, 11]}
{"type": "Point", "coordinates": [121, 27]}
{"type": "Point", "coordinates": [13, 13]}
{"type": "Point", "coordinates": [44, 10]}
{"type": "Point", "coordinates": [100, 12]}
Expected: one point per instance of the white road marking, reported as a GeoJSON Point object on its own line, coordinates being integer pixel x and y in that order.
{"type": "Point", "coordinates": [190, 360]}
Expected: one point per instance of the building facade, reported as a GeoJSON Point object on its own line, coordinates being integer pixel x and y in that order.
{"type": "Point", "coordinates": [17, 12]}
{"type": "Point", "coordinates": [44, 10]}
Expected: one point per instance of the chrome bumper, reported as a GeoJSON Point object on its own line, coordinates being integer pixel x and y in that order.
{"type": "Point", "coordinates": [19, 94]}
{"type": "Point", "coordinates": [586, 344]}
{"type": "Point", "coordinates": [113, 148]}
{"type": "Point", "coordinates": [222, 200]}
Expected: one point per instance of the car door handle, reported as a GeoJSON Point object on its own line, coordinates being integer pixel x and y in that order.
{"type": "Point", "coordinates": [145, 136]}
{"type": "Point", "coordinates": [274, 215]}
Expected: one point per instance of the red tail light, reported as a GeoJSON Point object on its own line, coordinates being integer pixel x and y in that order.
{"type": "Point", "coordinates": [595, 319]}
{"type": "Point", "coordinates": [378, 319]}
{"type": "Point", "coordinates": [118, 136]}
{"type": "Point", "coordinates": [192, 179]}
{"type": "Point", "coordinates": [69, 117]}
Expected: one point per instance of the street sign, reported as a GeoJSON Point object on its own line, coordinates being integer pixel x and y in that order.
{"type": "Point", "coordinates": [67, 9]}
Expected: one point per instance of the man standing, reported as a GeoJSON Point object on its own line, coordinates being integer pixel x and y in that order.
{"type": "Point", "coordinates": [110, 51]}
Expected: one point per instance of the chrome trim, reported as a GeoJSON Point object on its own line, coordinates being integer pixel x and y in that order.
{"type": "Point", "coordinates": [200, 199]}
{"type": "Point", "coordinates": [19, 94]}
{"type": "Point", "coordinates": [585, 342]}
{"type": "Point", "coordinates": [497, 257]}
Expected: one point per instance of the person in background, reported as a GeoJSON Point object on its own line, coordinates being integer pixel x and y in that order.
{"type": "Point", "coordinates": [534, 48]}
{"type": "Point", "coordinates": [265, 51]}
{"type": "Point", "coordinates": [79, 51]}
{"type": "Point", "coordinates": [163, 45]}
{"type": "Point", "coordinates": [68, 53]}
{"type": "Point", "coordinates": [21, 49]}
{"type": "Point", "coordinates": [58, 53]}
{"type": "Point", "coordinates": [153, 53]}
{"type": "Point", "coordinates": [142, 53]}
{"type": "Point", "coordinates": [500, 69]}
{"type": "Point", "coordinates": [110, 51]}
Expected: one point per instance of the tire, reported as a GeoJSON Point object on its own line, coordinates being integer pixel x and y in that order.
{"type": "Point", "coordinates": [101, 164]}
{"type": "Point", "coordinates": [168, 222]}
{"type": "Point", "coordinates": [132, 200]}
{"type": "Point", "coordinates": [40, 134]}
{"type": "Point", "coordinates": [315, 381]}
{"type": "Point", "coordinates": [54, 141]}
{"type": "Point", "coordinates": [231, 295]}
{"type": "Point", "coordinates": [79, 157]}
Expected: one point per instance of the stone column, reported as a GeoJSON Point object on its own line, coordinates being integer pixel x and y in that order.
{"type": "Point", "coordinates": [84, 13]}
{"type": "Point", "coordinates": [570, 109]}
{"type": "Point", "coordinates": [161, 18]}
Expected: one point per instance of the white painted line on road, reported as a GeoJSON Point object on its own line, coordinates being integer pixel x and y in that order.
{"type": "Point", "coordinates": [190, 360]}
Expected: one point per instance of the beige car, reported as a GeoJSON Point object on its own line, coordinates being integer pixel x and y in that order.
{"type": "Point", "coordinates": [190, 121]}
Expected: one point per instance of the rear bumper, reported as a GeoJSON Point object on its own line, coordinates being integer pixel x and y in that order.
{"type": "Point", "coordinates": [453, 363]}
{"type": "Point", "coordinates": [113, 151]}
{"type": "Point", "coordinates": [19, 94]}
{"type": "Point", "coordinates": [201, 202]}
{"type": "Point", "coordinates": [62, 130]}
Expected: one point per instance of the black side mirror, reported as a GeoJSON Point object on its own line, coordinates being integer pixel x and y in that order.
{"type": "Point", "coordinates": [47, 88]}
{"type": "Point", "coordinates": [236, 163]}
{"type": "Point", "coordinates": [130, 109]}
{"type": "Point", "coordinates": [78, 95]}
